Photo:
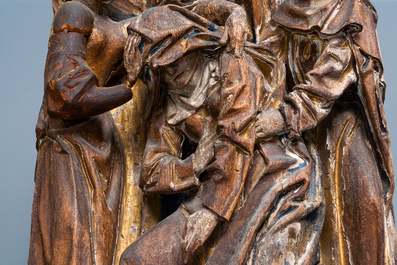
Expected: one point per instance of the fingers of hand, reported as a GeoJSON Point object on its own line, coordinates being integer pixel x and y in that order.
{"type": "Point", "coordinates": [237, 27]}
{"type": "Point", "coordinates": [131, 47]}
{"type": "Point", "coordinates": [257, 126]}
{"type": "Point", "coordinates": [260, 134]}
{"type": "Point", "coordinates": [191, 233]}
{"type": "Point", "coordinates": [239, 40]}
{"type": "Point", "coordinates": [188, 237]}
{"type": "Point", "coordinates": [128, 45]}
{"type": "Point", "coordinates": [127, 53]}
{"type": "Point", "coordinates": [192, 242]}
{"type": "Point", "coordinates": [225, 37]}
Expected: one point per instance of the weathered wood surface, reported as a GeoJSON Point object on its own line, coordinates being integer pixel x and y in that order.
{"type": "Point", "coordinates": [255, 135]}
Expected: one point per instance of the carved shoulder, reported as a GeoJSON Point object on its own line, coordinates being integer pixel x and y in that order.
{"type": "Point", "coordinates": [73, 16]}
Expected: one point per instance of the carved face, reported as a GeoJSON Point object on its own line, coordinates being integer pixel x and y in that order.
{"type": "Point", "coordinates": [183, 73]}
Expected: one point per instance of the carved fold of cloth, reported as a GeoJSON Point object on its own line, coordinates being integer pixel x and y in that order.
{"type": "Point", "coordinates": [352, 137]}
{"type": "Point", "coordinates": [78, 178]}
{"type": "Point", "coordinates": [269, 197]}
{"type": "Point", "coordinates": [353, 140]}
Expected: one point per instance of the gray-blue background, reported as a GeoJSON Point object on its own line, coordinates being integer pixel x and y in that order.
{"type": "Point", "coordinates": [24, 30]}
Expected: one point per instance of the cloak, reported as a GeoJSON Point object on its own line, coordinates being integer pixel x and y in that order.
{"type": "Point", "coordinates": [356, 192]}
{"type": "Point", "coordinates": [359, 18]}
{"type": "Point", "coordinates": [281, 188]}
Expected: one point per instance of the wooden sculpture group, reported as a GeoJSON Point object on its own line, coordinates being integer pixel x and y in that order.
{"type": "Point", "coordinates": [213, 132]}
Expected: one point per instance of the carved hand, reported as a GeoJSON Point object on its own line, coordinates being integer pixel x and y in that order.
{"type": "Point", "coordinates": [205, 150]}
{"type": "Point", "coordinates": [198, 228]}
{"type": "Point", "coordinates": [132, 58]}
{"type": "Point", "coordinates": [236, 31]}
{"type": "Point", "coordinates": [269, 122]}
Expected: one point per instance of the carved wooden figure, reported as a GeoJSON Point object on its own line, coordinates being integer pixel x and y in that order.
{"type": "Point", "coordinates": [201, 80]}
{"type": "Point", "coordinates": [80, 164]}
{"type": "Point", "coordinates": [335, 92]}
{"type": "Point", "coordinates": [256, 135]}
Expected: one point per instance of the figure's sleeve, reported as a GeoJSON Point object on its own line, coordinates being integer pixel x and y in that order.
{"type": "Point", "coordinates": [73, 92]}
{"type": "Point", "coordinates": [310, 102]}
{"type": "Point", "coordinates": [71, 87]}
{"type": "Point", "coordinates": [163, 169]}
